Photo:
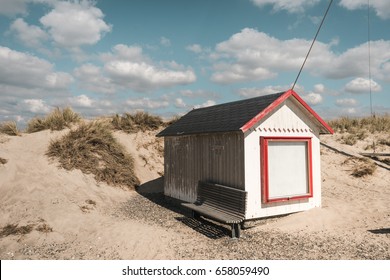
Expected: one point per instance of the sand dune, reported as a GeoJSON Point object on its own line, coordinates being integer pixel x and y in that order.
{"type": "Point", "coordinates": [71, 216]}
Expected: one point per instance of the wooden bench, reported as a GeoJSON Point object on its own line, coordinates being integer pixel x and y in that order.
{"type": "Point", "coordinates": [220, 203]}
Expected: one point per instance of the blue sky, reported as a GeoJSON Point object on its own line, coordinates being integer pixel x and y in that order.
{"type": "Point", "coordinates": [169, 56]}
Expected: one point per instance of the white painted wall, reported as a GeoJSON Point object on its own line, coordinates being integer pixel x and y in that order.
{"type": "Point", "coordinates": [290, 120]}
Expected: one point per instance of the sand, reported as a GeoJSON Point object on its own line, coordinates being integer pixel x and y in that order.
{"type": "Point", "coordinates": [74, 217]}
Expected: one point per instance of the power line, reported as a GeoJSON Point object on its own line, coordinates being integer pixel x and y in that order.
{"type": "Point", "coordinates": [312, 43]}
{"type": "Point", "coordinates": [369, 52]}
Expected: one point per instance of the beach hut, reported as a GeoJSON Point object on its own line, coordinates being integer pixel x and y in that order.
{"type": "Point", "coordinates": [267, 146]}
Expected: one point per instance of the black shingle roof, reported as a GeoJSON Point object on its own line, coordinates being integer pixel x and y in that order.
{"type": "Point", "coordinates": [225, 117]}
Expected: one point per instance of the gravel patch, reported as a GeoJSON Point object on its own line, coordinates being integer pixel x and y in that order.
{"type": "Point", "coordinates": [208, 240]}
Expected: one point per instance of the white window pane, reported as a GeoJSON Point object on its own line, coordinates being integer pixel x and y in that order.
{"type": "Point", "coordinates": [287, 169]}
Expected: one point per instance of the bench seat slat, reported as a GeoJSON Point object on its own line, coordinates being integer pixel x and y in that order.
{"type": "Point", "coordinates": [238, 210]}
{"type": "Point", "coordinates": [210, 208]}
{"type": "Point", "coordinates": [220, 203]}
{"type": "Point", "coordinates": [218, 216]}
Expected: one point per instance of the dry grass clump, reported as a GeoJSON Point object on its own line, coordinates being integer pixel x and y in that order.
{"type": "Point", "coordinates": [384, 142]}
{"type": "Point", "coordinates": [93, 149]}
{"type": "Point", "coordinates": [3, 161]}
{"type": "Point", "coordinates": [349, 139]}
{"type": "Point", "coordinates": [56, 120]}
{"type": "Point", "coordinates": [139, 121]}
{"type": "Point", "coordinates": [355, 129]}
{"type": "Point", "coordinates": [356, 125]}
{"type": "Point", "coordinates": [14, 229]}
{"type": "Point", "coordinates": [10, 128]}
{"type": "Point", "coordinates": [44, 228]}
{"type": "Point", "coordinates": [361, 166]}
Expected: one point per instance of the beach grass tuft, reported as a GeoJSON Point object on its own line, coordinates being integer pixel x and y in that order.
{"type": "Point", "coordinates": [56, 120]}
{"type": "Point", "coordinates": [361, 125]}
{"type": "Point", "coordinates": [15, 229]}
{"type": "Point", "coordinates": [140, 121]}
{"type": "Point", "coordinates": [10, 128]}
{"type": "Point", "coordinates": [93, 149]}
{"type": "Point", "coordinates": [361, 167]}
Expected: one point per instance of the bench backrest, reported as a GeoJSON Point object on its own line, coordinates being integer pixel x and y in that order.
{"type": "Point", "coordinates": [227, 199]}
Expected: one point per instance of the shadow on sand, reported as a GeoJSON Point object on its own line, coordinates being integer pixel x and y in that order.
{"type": "Point", "coordinates": [380, 231]}
{"type": "Point", "coordinates": [154, 191]}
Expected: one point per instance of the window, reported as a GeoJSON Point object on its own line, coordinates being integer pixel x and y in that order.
{"type": "Point", "coordinates": [286, 168]}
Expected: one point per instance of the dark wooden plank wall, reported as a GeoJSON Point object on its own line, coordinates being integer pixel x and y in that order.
{"type": "Point", "coordinates": [217, 158]}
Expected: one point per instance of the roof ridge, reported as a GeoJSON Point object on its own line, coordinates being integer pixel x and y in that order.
{"type": "Point", "coordinates": [239, 101]}
{"type": "Point", "coordinates": [236, 116]}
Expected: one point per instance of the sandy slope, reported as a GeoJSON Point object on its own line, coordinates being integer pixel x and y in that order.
{"type": "Point", "coordinates": [349, 204]}
{"type": "Point", "coordinates": [354, 221]}
{"type": "Point", "coordinates": [33, 191]}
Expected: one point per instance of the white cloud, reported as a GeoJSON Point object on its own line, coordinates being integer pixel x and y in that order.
{"type": "Point", "coordinates": [124, 52]}
{"type": "Point", "coordinates": [146, 103]}
{"type": "Point", "coordinates": [73, 24]}
{"type": "Point", "coordinates": [251, 55]}
{"type": "Point", "coordinates": [82, 101]}
{"type": "Point", "coordinates": [349, 111]}
{"type": "Point", "coordinates": [145, 77]}
{"type": "Point", "coordinates": [92, 107]}
{"type": "Point", "coordinates": [296, 6]}
{"type": "Point", "coordinates": [322, 89]}
{"type": "Point", "coordinates": [129, 68]}
{"type": "Point", "coordinates": [313, 98]}
{"type": "Point", "coordinates": [208, 103]}
{"type": "Point", "coordinates": [227, 74]}
{"type": "Point", "coordinates": [90, 77]}
{"type": "Point", "coordinates": [381, 7]}
{"type": "Point", "coordinates": [362, 85]}
{"type": "Point", "coordinates": [353, 62]}
{"type": "Point", "coordinates": [198, 93]}
{"type": "Point", "coordinates": [19, 7]}
{"type": "Point", "coordinates": [194, 48]}
{"type": "Point", "coordinates": [254, 92]}
{"type": "Point", "coordinates": [319, 88]}
{"type": "Point", "coordinates": [36, 106]}
{"type": "Point", "coordinates": [179, 103]}
{"type": "Point", "coordinates": [30, 35]}
{"type": "Point", "coordinates": [13, 7]}
{"type": "Point", "coordinates": [26, 71]}
{"type": "Point", "coordinates": [315, 19]}
{"type": "Point", "coordinates": [346, 102]}
{"type": "Point", "coordinates": [165, 42]}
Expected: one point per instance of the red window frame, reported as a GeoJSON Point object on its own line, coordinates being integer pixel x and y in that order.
{"type": "Point", "coordinates": [264, 168]}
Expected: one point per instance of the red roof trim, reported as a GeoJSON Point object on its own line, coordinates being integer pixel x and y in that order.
{"type": "Point", "coordinates": [276, 103]}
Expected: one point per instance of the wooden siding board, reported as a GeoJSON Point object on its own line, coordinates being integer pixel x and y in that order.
{"type": "Point", "coordinates": [201, 157]}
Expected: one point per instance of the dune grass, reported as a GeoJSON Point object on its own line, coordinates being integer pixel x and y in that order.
{"type": "Point", "coordinates": [360, 125]}
{"type": "Point", "coordinates": [10, 128]}
{"type": "Point", "coordinates": [56, 120]}
{"type": "Point", "coordinates": [15, 229]}
{"type": "Point", "coordinates": [139, 121]}
{"type": "Point", "coordinates": [355, 129]}
{"type": "Point", "coordinates": [361, 167]}
{"type": "Point", "coordinates": [45, 228]}
{"type": "Point", "coordinates": [93, 149]}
